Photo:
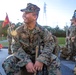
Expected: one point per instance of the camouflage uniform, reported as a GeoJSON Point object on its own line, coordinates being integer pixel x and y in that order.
{"type": "Point", "coordinates": [9, 38]}
{"type": "Point", "coordinates": [24, 50]}
{"type": "Point", "coordinates": [70, 51]}
{"type": "Point", "coordinates": [72, 33]}
{"type": "Point", "coordinates": [56, 48]}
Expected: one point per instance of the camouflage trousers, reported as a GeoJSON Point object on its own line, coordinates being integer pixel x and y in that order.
{"type": "Point", "coordinates": [11, 67]}
{"type": "Point", "coordinates": [9, 46]}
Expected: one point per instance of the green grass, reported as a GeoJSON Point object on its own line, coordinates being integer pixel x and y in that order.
{"type": "Point", "coordinates": [5, 44]}
{"type": "Point", "coordinates": [61, 41]}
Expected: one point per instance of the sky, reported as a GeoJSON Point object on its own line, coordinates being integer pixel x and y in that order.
{"type": "Point", "coordinates": [58, 12]}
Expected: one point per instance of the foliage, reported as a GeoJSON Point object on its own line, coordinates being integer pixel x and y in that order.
{"type": "Point", "coordinates": [56, 31]}
{"type": "Point", "coordinates": [18, 24]}
{"type": "Point", "coordinates": [3, 31]}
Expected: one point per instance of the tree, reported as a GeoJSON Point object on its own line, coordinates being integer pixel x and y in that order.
{"type": "Point", "coordinates": [56, 31]}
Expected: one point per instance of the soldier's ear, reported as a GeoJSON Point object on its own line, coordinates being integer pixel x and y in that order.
{"type": "Point", "coordinates": [35, 17]}
{"type": "Point", "coordinates": [75, 20]}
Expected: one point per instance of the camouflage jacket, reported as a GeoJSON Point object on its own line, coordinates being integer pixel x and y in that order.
{"type": "Point", "coordinates": [26, 41]}
{"type": "Point", "coordinates": [72, 31]}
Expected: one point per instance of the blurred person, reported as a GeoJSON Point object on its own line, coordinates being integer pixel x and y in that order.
{"type": "Point", "coordinates": [69, 52]}
{"type": "Point", "coordinates": [9, 37]}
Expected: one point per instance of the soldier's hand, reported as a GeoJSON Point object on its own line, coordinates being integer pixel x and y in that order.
{"type": "Point", "coordinates": [72, 38]}
{"type": "Point", "coordinates": [38, 65]}
{"type": "Point", "coordinates": [30, 67]}
{"type": "Point", "coordinates": [68, 37]}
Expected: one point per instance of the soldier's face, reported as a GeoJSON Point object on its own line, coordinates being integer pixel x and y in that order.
{"type": "Point", "coordinates": [29, 17]}
{"type": "Point", "coordinates": [73, 22]}
{"type": "Point", "coordinates": [13, 26]}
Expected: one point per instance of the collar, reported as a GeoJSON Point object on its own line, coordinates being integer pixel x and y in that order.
{"type": "Point", "coordinates": [35, 30]}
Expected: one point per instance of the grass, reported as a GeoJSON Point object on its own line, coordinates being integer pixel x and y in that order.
{"type": "Point", "coordinates": [5, 44]}
{"type": "Point", "coordinates": [61, 41]}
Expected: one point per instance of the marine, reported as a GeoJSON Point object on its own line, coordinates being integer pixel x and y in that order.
{"type": "Point", "coordinates": [9, 37]}
{"type": "Point", "coordinates": [32, 48]}
{"type": "Point", "coordinates": [70, 50]}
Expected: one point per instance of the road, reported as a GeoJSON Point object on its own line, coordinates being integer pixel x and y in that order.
{"type": "Point", "coordinates": [3, 55]}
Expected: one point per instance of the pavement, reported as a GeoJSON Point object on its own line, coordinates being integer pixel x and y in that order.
{"type": "Point", "coordinates": [3, 55]}
{"type": "Point", "coordinates": [66, 66]}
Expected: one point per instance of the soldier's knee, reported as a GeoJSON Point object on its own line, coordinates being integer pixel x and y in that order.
{"type": "Point", "coordinates": [55, 62]}
{"type": "Point", "coordinates": [5, 65]}
{"type": "Point", "coordinates": [7, 62]}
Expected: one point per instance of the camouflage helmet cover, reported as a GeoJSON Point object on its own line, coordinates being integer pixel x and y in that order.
{"type": "Point", "coordinates": [31, 8]}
